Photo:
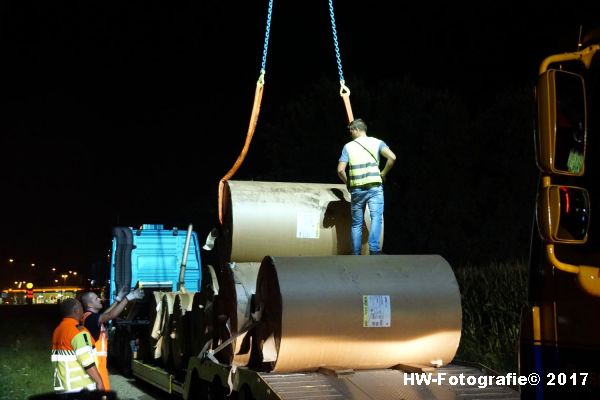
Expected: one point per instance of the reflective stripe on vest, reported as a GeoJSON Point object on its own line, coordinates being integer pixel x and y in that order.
{"type": "Point", "coordinates": [364, 161]}
{"type": "Point", "coordinates": [103, 339]}
{"type": "Point", "coordinates": [72, 352]}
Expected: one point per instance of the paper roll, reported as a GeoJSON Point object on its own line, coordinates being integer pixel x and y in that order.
{"type": "Point", "coordinates": [234, 305]}
{"type": "Point", "coordinates": [148, 342]}
{"type": "Point", "coordinates": [285, 219]}
{"type": "Point", "coordinates": [180, 330]}
{"type": "Point", "coordinates": [201, 321]}
{"type": "Point", "coordinates": [356, 312]}
{"type": "Point", "coordinates": [165, 340]}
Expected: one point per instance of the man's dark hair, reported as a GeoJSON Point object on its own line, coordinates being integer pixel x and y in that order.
{"type": "Point", "coordinates": [68, 306]}
{"type": "Point", "coordinates": [86, 299]}
{"type": "Point", "coordinates": [358, 124]}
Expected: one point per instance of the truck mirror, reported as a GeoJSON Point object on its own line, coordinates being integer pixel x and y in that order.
{"type": "Point", "coordinates": [563, 214]}
{"type": "Point", "coordinates": [562, 123]}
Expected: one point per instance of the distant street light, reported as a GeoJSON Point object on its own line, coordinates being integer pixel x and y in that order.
{"type": "Point", "coordinates": [64, 276]}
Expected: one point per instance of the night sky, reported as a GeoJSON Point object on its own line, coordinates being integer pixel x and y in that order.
{"type": "Point", "coordinates": [129, 112]}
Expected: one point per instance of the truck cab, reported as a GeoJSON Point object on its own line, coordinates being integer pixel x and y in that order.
{"type": "Point", "coordinates": [156, 260]}
{"type": "Point", "coordinates": [560, 340]}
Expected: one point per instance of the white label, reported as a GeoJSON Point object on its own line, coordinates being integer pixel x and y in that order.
{"type": "Point", "coordinates": [377, 311]}
{"type": "Point", "coordinates": [307, 225]}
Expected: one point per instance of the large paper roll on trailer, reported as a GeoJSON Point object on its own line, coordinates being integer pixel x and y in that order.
{"type": "Point", "coordinates": [285, 219]}
{"type": "Point", "coordinates": [235, 303]}
{"type": "Point", "coordinates": [356, 312]}
{"type": "Point", "coordinates": [180, 329]}
{"type": "Point", "coordinates": [200, 321]}
{"type": "Point", "coordinates": [165, 340]}
{"type": "Point", "coordinates": [244, 275]}
{"type": "Point", "coordinates": [147, 343]}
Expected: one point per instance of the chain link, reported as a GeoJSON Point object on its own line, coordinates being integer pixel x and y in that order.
{"type": "Point", "coordinates": [335, 42]}
{"type": "Point", "coordinates": [267, 32]}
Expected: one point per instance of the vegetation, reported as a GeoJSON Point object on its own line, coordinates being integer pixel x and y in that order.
{"type": "Point", "coordinates": [25, 367]}
{"type": "Point", "coordinates": [492, 298]}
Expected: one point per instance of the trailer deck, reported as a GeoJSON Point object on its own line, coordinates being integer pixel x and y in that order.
{"type": "Point", "coordinates": [332, 384]}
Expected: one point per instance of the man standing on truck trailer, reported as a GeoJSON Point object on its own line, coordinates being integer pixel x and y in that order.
{"type": "Point", "coordinates": [95, 322]}
{"type": "Point", "coordinates": [365, 182]}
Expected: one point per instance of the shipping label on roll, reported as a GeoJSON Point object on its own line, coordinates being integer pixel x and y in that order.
{"type": "Point", "coordinates": [377, 311]}
{"type": "Point", "coordinates": [307, 225]}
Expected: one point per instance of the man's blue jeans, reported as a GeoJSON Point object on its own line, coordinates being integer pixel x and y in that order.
{"type": "Point", "coordinates": [360, 199]}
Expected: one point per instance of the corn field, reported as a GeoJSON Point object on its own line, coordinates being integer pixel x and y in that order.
{"type": "Point", "coordinates": [492, 297]}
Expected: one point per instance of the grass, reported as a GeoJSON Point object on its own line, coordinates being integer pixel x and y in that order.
{"type": "Point", "coordinates": [492, 298]}
{"type": "Point", "coordinates": [25, 367]}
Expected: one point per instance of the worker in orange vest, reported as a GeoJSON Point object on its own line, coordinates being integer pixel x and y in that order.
{"type": "Point", "coordinates": [73, 355]}
{"type": "Point", "coordinates": [95, 322]}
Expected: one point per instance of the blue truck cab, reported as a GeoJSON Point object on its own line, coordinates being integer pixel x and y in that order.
{"type": "Point", "coordinates": [152, 256]}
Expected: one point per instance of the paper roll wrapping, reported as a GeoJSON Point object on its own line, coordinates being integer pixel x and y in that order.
{"type": "Point", "coordinates": [285, 219]}
{"type": "Point", "coordinates": [180, 329]}
{"type": "Point", "coordinates": [200, 324]}
{"type": "Point", "coordinates": [147, 349]}
{"type": "Point", "coordinates": [357, 312]}
{"type": "Point", "coordinates": [237, 286]}
{"type": "Point", "coordinates": [156, 314]}
{"type": "Point", "coordinates": [165, 340]}
{"type": "Point", "coordinates": [244, 275]}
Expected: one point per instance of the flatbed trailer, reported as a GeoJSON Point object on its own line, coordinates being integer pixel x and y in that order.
{"type": "Point", "coordinates": [414, 286]}
{"type": "Point", "coordinates": [208, 379]}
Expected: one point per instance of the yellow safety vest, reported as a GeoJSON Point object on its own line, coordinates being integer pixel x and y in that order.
{"type": "Point", "coordinates": [72, 353]}
{"type": "Point", "coordinates": [363, 155]}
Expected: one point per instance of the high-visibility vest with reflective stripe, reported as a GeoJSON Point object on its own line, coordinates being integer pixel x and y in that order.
{"type": "Point", "coordinates": [72, 353]}
{"type": "Point", "coordinates": [101, 353]}
{"type": "Point", "coordinates": [364, 161]}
